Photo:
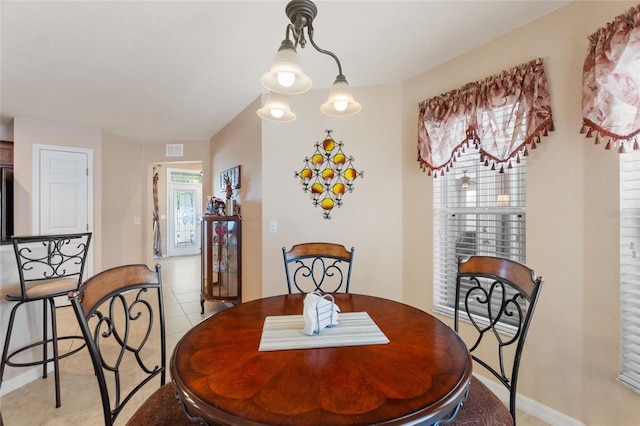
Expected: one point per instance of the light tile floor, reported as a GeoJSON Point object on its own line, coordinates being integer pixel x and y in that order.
{"type": "Point", "coordinates": [34, 403]}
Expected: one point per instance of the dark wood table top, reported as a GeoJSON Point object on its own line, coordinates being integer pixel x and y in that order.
{"type": "Point", "coordinates": [420, 376]}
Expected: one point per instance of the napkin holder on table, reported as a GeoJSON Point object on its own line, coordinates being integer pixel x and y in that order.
{"type": "Point", "coordinates": [320, 311]}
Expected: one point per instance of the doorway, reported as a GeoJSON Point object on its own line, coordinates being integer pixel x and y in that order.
{"type": "Point", "coordinates": [184, 212]}
{"type": "Point", "coordinates": [63, 184]}
{"type": "Point", "coordinates": [63, 195]}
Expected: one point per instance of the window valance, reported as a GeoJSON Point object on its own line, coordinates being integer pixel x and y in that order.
{"type": "Point", "coordinates": [500, 115]}
{"type": "Point", "coordinates": [611, 83]}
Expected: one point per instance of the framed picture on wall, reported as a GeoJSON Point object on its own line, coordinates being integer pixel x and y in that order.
{"type": "Point", "coordinates": [234, 177]}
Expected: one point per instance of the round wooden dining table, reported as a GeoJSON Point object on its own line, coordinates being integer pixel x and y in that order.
{"type": "Point", "coordinates": [420, 377]}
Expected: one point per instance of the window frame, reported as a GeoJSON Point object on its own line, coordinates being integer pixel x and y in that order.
{"type": "Point", "coordinates": [446, 249]}
{"type": "Point", "coordinates": [629, 286]}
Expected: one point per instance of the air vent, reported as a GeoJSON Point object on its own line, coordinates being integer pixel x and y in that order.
{"type": "Point", "coordinates": [175, 150]}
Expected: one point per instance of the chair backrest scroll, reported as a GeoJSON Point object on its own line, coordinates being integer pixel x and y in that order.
{"type": "Point", "coordinates": [121, 315]}
{"type": "Point", "coordinates": [43, 258]}
{"type": "Point", "coordinates": [316, 266]}
{"type": "Point", "coordinates": [498, 297]}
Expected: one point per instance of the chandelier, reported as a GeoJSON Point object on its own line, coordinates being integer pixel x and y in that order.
{"type": "Point", "coordinates": [286, 76]}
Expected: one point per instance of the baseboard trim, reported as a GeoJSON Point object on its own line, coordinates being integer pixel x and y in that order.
{"type": "Point", "coordinates": [27, 376]}
{"type": "Point", "coordinates": [531, 406]}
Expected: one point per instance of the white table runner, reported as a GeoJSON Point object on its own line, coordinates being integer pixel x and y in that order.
{"type": "Point", "coordinates": [354, 329]}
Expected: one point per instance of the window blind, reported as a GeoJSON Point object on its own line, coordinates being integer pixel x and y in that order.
{"type": "Point", "coordinates": [477, 211]}
{"type": "Point", "coordinates": [630, 270]}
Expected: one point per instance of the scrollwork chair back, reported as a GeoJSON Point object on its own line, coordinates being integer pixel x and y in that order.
{"type": "Point", "coordinates": [121, 316]}
{"type": "Point", "coordinates": [317, 266]}
{"type": "Point", "coordinates": [497, 297]}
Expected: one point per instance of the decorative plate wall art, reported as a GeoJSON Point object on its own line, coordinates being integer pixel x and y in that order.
{"type": "Point", "coordinates": [328, 174]}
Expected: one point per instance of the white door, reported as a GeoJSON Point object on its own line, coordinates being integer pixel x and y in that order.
{"type": "Point", "coordinates": [64, 192]}
{"type": "Point", "coordinates": [185, 215]}
{"type": "Point", "coordinates": [63, 195]}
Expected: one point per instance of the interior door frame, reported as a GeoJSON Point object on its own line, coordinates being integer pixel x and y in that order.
{"type": "Point", "coordinates": [169, 210]}
{"type": "Point", "coordinates": [35, 222]}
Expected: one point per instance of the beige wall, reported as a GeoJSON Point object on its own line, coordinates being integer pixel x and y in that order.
{"type": "Point", "coordinates": [370, 218]}
{"type": "Point", "coordinates": [155, 153]}
{"type": "Point", "coordinates": [269, 154]}
{"type": "Point", "coordinates": [128, 194]}
{"type": "Point", "coordinates": [122, 161]}
{"type": "Point", "coordinates": [572, 353]}
{"type": "Point", "coordinates": [122, 191]}
{"type": "Point", "coordinates": [26, 133]}
{"type": "Point", "coordinates": [240, 143]}
{"type": "Point", "coordinates": [122, 196]}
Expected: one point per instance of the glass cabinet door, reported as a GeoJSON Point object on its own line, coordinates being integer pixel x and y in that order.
{"type": "Point", "coordinates": [221, 259]}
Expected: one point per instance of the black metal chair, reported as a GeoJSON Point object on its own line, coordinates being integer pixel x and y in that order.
{"type": "Point", "coordinates": [505, 292]}
{"type": "Point", "coordinates": [324, 267]}
{"type": "Point", "coordinates": [48, 266]}
{"type": "Point", "coordinates": [121, 315]}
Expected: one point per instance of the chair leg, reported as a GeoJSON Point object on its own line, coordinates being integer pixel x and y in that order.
{"type": "Point", "coordinates": [5, 350]}
{"type": "Point", "coordinates": [44, 338]}
{"type": "Point", "coordinates": [56, 359]}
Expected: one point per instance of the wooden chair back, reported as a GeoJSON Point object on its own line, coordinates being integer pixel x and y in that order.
{"type": "Point", "coordinates": [121, 316]}
{"type": "Point", "coordinates": [318, 266]}
{"type": "Point", "coordinates": [498, 297]}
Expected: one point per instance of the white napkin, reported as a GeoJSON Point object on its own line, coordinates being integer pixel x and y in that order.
{"type": "Point", "coordinates": [319, 312]}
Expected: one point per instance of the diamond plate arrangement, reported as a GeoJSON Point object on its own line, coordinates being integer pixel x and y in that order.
{"type": "Point", "coordinates": [328, 174]}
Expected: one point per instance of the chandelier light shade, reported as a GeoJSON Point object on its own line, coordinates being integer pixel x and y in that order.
{"type": "Point", "coordinates": [286, 77]}
{"type": "Point", "coordinates": [276, 108]}
{"type": "Point", "coordinates": [340, 101]}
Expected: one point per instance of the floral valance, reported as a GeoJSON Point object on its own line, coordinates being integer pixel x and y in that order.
{"type": "Point", "coordinates": [501, 115]}
{"type": "Point", "coordinates": [611, 83]}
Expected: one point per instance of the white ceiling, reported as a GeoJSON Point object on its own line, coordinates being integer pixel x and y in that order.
{"type": "Point", "coordinates": [180, 70]}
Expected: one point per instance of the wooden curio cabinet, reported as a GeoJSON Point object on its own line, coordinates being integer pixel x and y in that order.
{"type": "Point", "coordinates": [221, 259]}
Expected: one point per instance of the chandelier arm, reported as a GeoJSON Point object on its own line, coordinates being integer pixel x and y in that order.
{"type": "Point", "coordinates": [295, 32]}
{"type": "Point", "coordinates": [326, 52]}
